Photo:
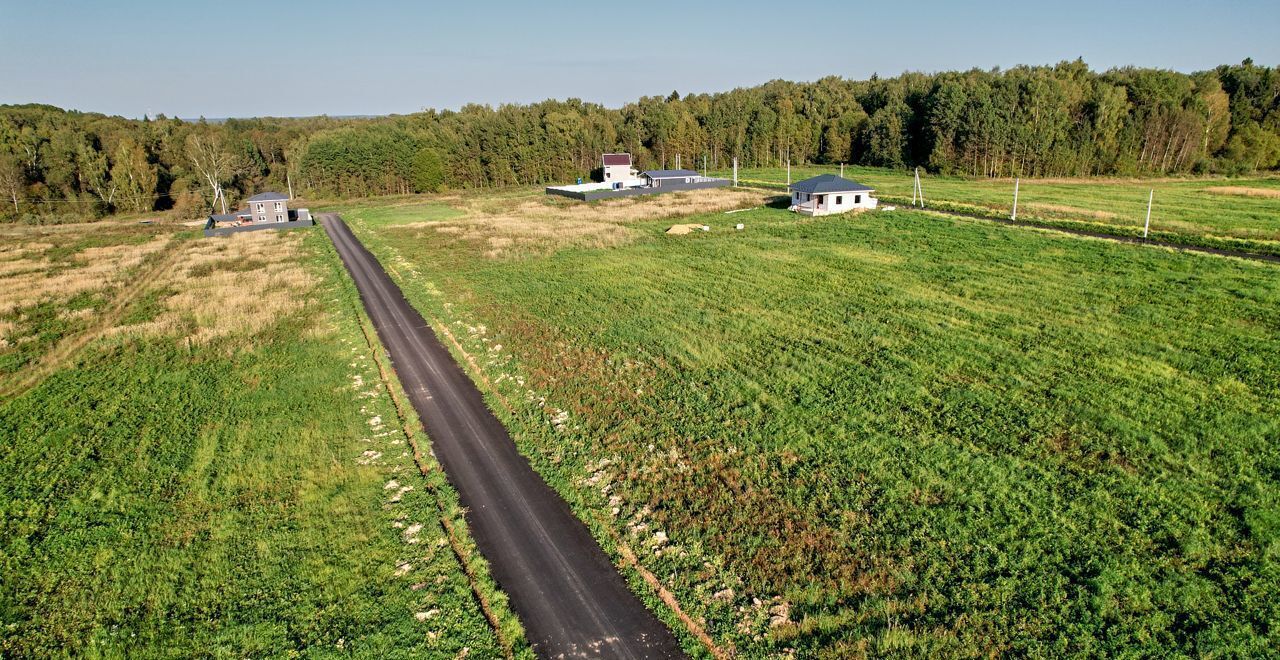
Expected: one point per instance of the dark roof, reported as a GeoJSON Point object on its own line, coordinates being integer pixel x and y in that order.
{"type": "Point", "coordinates": [267, 197]}
{"type": "Point", "coordinates": [669, 174]}
{"type": "Point", "coordinates": [231, 217]}
{"type": "Point", "coordinates": [617, 159]}
{"type": "Point", "coordinates": [828, 183]}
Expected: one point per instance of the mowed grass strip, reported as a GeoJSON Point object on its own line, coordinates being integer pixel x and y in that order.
{"type": "Point", "coordinates": [1231, 213]}
{"type": "Point", "coordinates": [188, 486]}
{"type": "Point", "coordinates": [897, 433]}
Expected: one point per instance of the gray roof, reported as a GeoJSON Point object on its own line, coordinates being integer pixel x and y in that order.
{"type": "Point", "coordinates": [267, 197]}
{"type": "Point", "coordinates": [231, 217]}
{"type": "Point", "coordinates": [669, 174]}
{"type": "Point", "coordinates": [828, 183]}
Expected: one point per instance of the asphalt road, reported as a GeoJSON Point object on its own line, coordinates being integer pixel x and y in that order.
{"type": "Point", "coordinates": [570, 598]}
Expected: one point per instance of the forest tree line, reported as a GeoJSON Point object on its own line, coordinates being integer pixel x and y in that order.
{"type": "Point", "coordinates": [1063, 120]}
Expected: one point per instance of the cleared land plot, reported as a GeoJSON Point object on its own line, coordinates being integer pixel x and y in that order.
{"type": "Point", "coordinates": [1236, 213]}
{"type": "Point", "coordinates": [526, 221]}
{"type": "Point", "coordinates": [895, 433]}
{"type": "Point", "coordinates": [216, 469]}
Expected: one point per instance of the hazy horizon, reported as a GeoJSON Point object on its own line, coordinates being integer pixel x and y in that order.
{"type": "Point", "coordinates": [382, 58]}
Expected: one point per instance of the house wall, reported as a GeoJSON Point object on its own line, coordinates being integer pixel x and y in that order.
{"type": "Point", "coordinates": [226, 231]}
{"type": "Point", "coordinates": [266, 211]}
{"type": "Point", "coordinates": [826, 203]}
{"type": "Point", "coordinates": [617, 173]}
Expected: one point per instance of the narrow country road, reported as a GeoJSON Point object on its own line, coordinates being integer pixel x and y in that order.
{"type": "Point", "coordinates": [570, 598]}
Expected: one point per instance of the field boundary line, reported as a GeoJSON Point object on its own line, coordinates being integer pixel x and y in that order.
{"type": "Point", "coordinates": [69, 347]}
{"type": "Point", "coordinates": [455, 544]}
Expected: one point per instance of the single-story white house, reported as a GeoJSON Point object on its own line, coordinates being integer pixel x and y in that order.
{"type": "Point", "coordinates": [827, 194]}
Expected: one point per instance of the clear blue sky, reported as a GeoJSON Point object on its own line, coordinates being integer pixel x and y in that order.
{"type": "Point", "coordinates": [347, 57]}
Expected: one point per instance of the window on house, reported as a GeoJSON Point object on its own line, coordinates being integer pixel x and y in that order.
{"type": "Point", "coordinates": [820, 198]}
{"type": "Point", "coordinates": [260, 208]}
{"type": "Point", "coordinates": [279, 218]}
{"type": "Point", "coordinates": [857, 199]}
{"type": "Point", "coordinates": [279, 207]}
{"type": "Point", "coordinates": [839, 200]}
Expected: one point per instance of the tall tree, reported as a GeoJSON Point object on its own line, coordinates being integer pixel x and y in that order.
{"type": "Point", "coordinates": [213, 161]}
{"type": "Point", "coordinates": [12, 179]}
{"type": "Point", "coordinates": [135, 177]}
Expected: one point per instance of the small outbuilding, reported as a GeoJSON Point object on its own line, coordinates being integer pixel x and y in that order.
{"type": "Point", "coordinates": [828, 194]}
{"type": "Point", "coordinates": [656, 178]}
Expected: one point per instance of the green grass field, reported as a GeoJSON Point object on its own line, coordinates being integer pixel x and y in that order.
{"type": "Point", "coordinates": [1233, 213]}
{"type": "Point", "coordinates": [890, 434]}
{"type": "Point", "coordinates": [213, 468]}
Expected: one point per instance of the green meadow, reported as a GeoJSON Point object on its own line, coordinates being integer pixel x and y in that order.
{"type": "Point", "coordinates": [203, 466]}
{"type": "Point", "coordinates": [890, 433]}
{"type": "Point", "coordinates": [1232, 213]}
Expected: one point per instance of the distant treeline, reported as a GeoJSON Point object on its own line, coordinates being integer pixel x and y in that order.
{"type": "Point", "coordinates": [1063, 120]}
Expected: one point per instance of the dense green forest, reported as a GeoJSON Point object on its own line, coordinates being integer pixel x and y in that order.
{"type": "Point", "coordinates": [1064, 120]}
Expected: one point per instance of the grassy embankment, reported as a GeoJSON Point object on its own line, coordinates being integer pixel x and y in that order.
{"type": "Point", "coordinates": [885, 433]}
{"type": "Point", "coordinates": [200, 458]}
{"type": "Point", "coordinates": [1241, 214]}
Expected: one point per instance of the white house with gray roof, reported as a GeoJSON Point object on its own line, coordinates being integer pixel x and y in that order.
{"type": "Point", "coordinates": [828, 194]}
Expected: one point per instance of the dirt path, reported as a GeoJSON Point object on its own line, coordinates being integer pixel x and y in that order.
{"type": "Point", "coordinates": [570, 598]}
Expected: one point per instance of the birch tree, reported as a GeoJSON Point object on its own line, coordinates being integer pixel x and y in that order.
{"type": "Point", "coordinates": [135, 177]}
{"type": "Point", "coordinates": [12, 179]}
{"type": "Point", "coordinates": [213, 162]}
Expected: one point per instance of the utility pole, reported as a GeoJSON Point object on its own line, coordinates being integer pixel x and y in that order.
{"type": "Point", "coordinates": [704, 165]}
{"type": "Point", "coordinates": [1015, 199]}
{"type": "Point", "coordinates": [841, 170]}
{"type": "Point", "coordinates": [1147, 227]}
{"type": "Point", "coordinates": [288, 177]}
{"type": "Point", "coordinates": [735, 171]}
{"type": "Point", "coordinates": [788, 171]}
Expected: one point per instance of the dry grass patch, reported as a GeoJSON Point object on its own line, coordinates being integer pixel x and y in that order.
{"type": "Point", "coordinates": [538, 223]}
{"type": "Point", "coordinates": [239, 285]}
{"type": "Point", "coordinates": [1071, 211]}
{"type": "Point", "coordinates": [1244, 191]}
{"type": "Point", "coordinates": [29, 281]}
